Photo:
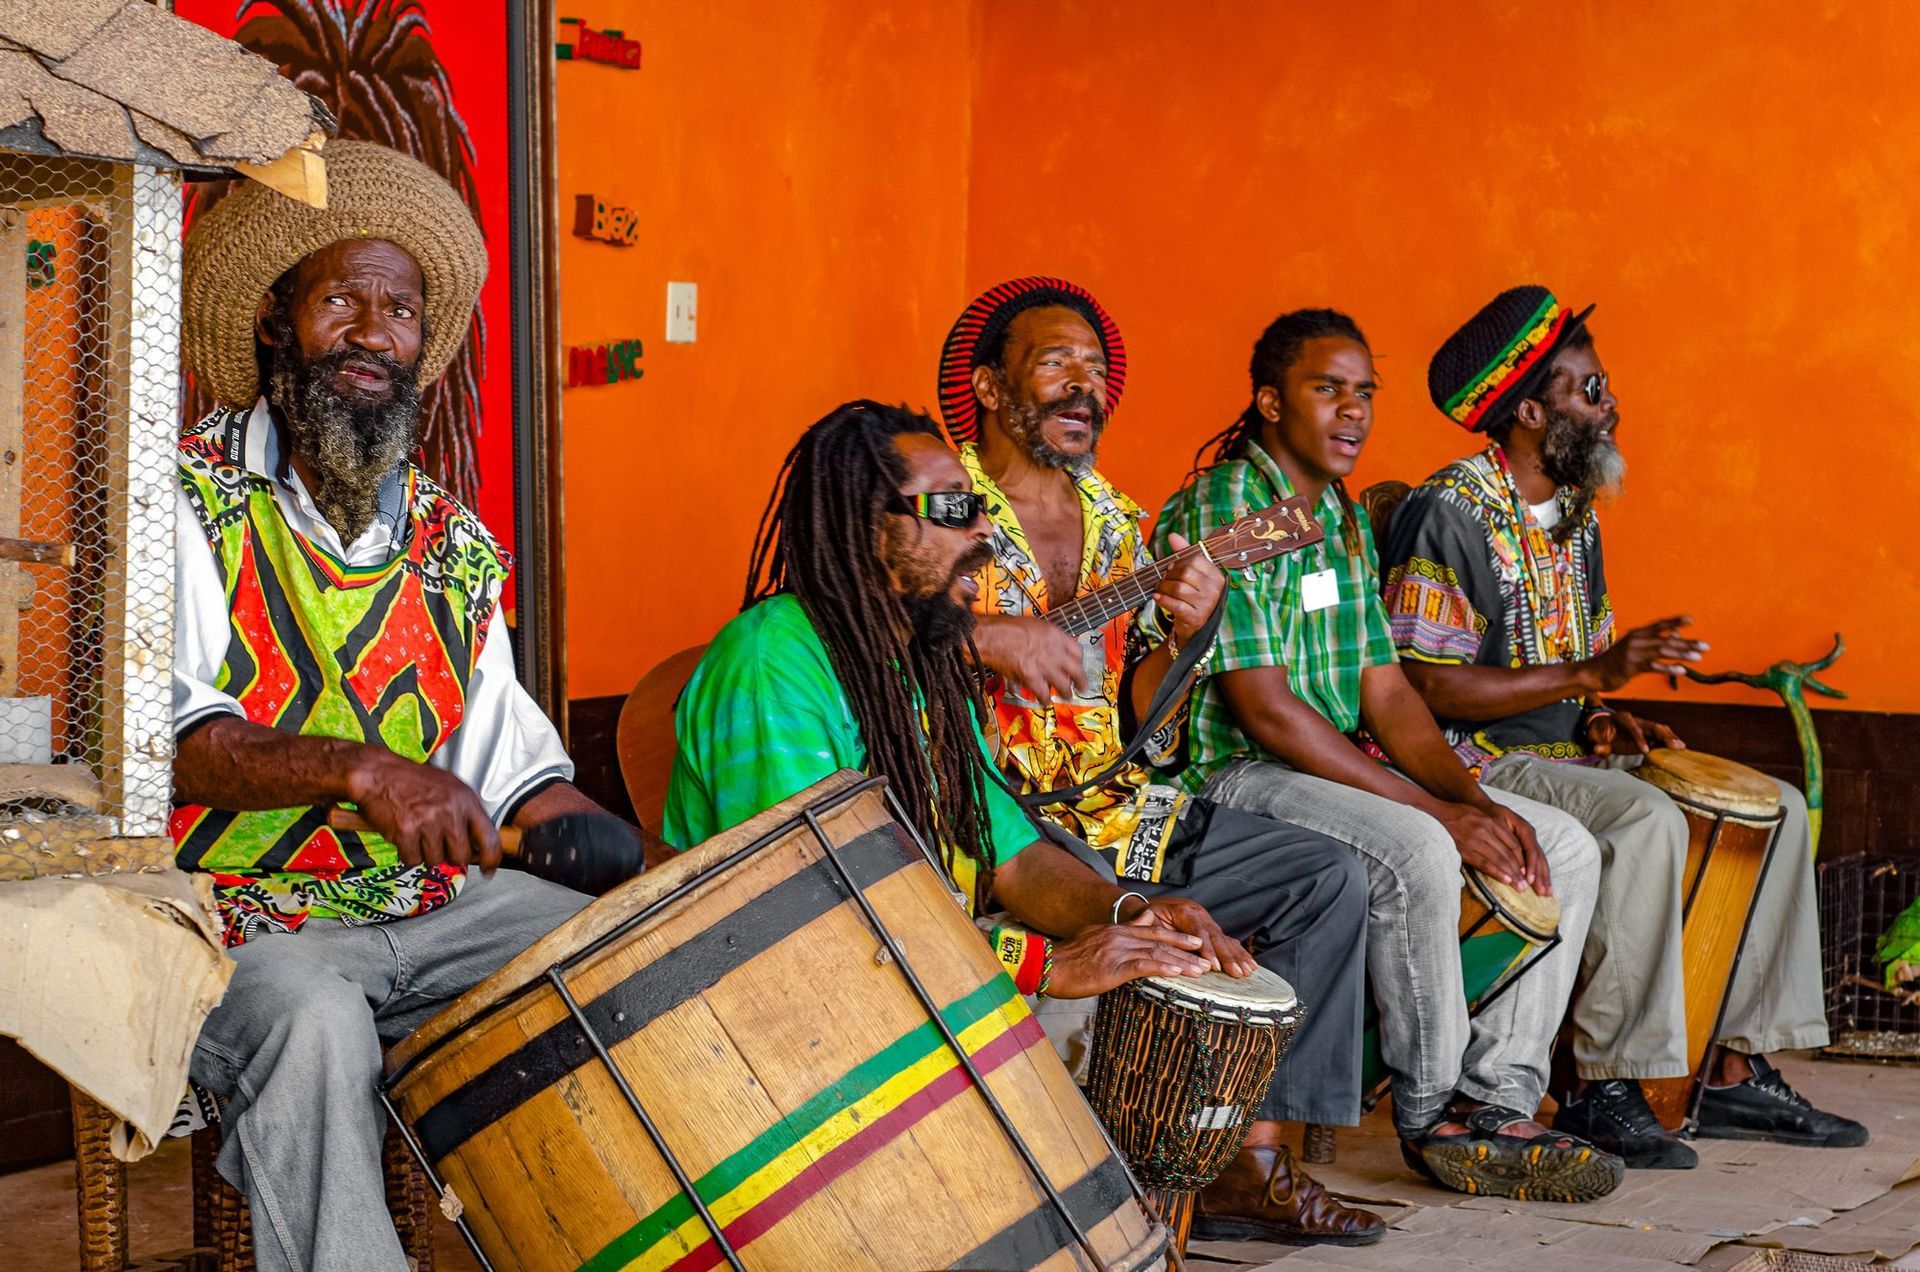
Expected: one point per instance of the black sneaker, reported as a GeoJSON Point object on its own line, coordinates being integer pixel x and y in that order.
{"type": "Point", "coordinates": [1613, 1113]}
{"type": "Point", "coordinates": [1764, 1107]}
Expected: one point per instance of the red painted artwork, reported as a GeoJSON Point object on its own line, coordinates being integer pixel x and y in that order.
{"type": "Point", "coordinates": [428, 77]}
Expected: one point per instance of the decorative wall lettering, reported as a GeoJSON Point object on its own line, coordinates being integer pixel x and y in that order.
{"type": "Point", "coordinates": [603, 363]}
{"type": "Point", "coordinates": [593, 218]}
{"type": "Point", "coordinates": [581, 43]}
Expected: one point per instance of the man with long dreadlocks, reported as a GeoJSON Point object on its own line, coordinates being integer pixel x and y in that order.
{"type": "Point", "coordinates": [1304, 659]}
{"type": "Point", "coordinates": [852, 651]}
{"type": "Point", "coordinates": [1029, 376]}
{"type": "Point", "coordinates": [338, 640]}
{"type": "Point", "coordinates": [1499, 608]}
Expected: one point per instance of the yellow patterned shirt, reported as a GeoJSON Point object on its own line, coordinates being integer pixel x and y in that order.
{"type": "Point", "coordinates": [1044, 746]}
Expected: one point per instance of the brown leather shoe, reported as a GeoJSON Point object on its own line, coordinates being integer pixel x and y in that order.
{"type": "Point", "coordinates": [1264, 1195]}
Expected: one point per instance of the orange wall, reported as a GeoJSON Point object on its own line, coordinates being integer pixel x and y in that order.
{"type": "Point", "coordinates": [804, 163]}
{"type": "Point", "coordinates": [1732, 183]}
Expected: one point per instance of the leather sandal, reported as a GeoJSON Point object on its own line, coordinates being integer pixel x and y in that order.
{"type": "Point", "coordinates": [1264, 1195]}
{"type": "Point", "coordinates": [1485, 1161]}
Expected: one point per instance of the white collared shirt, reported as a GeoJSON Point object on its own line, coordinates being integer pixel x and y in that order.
{"type": "Point", "coordinates": [504, 746]}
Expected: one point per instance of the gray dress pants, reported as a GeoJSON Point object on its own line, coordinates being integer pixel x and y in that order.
{"type": "Point", "coordinates": [1629, 1014]}
{"type": "Point", "coordinates": [294, 1048]}
{"type": "Point", "coordinates": [1427, 1040]}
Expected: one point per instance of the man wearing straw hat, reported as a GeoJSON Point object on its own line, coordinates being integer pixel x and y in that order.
{"type": "Point", "coordinates": [339, 641]}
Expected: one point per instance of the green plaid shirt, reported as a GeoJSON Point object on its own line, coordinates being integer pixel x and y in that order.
{"type": "Point", "coordinates": [1266, 622]}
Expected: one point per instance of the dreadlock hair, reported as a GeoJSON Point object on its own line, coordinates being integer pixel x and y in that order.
{"type": "Point", "coordinates": [819, 541]}
{"type": "Point", "coordinates": [1273, 354]}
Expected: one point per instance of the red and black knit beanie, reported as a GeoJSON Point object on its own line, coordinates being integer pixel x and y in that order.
{"type": "Point", "coordinates": [980, 334]}
{"type": "Point", "coordinates": [1501, 356]}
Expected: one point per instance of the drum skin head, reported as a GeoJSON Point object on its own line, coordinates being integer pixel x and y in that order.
{"type": "Point", "coordinates": [1259, 996]}
{"type": "Point", "coordinates": [1528, 914]}
{"type": "Point", "coordinates": [1711, 780]}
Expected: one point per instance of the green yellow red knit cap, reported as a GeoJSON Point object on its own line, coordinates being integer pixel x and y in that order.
{"type": "Point", "coordinates": [1501, 356]}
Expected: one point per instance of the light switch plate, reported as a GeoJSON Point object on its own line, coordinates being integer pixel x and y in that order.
{"type": "Point", "coordinates": [683, 311]}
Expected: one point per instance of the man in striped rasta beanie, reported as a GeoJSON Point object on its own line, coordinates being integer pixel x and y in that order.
{"type": "Point", "coordinates": [1029, 378]}
{"type": "Point", "coordinates": [1499, 608]}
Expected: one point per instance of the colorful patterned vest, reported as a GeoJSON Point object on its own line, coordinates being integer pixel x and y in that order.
{"type": "Point", "coordinates": [378, 654]}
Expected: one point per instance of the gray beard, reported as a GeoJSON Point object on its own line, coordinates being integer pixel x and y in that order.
{"type": "Point", "coordinates": [350, 447]}
{"type": "Point", "coordinates": [1577, 455]}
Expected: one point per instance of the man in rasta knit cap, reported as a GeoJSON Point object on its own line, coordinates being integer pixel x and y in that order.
{"type": "Point", "coordinates": [339, 640]}
{"type": "Point", "coordinates": [1029, 376]}
{"type": "Point", "coordinates": [1498, 607]}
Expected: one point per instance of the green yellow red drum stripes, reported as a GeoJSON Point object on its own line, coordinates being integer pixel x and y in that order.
{"type": "Point", "coordinates": [869, 1106]}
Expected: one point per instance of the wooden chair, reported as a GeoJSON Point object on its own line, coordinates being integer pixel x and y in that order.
{"type": "Point", "coordinates": [222, 1229]}
{"type": "Point", "coordinates": [644, 737]}
{"type": "Point", "coordinates": [1380, 500]}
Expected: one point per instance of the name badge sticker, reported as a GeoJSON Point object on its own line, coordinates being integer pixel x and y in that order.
{"type": "Point", "coordinates": [1319, 590]}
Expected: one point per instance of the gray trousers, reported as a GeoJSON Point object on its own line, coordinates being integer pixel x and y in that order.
{"type": "Point", "coordinates": [1427, 1040]}
{"type": "Point", "coordinates": [1629, 1014]}
{"type": "Point", "coordinates": [295, 1049]}
{"type": "Point", "coordinates": [1298, 900]}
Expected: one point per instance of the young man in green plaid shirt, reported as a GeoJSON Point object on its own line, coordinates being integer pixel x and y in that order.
{"type": "Point", "coordinates": [1304, 661]}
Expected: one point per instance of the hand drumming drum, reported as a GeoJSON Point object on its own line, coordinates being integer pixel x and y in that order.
{"type": "Point", "coordinates": [786, 1049]}
{"type": "Point", "coordinates": [1179, 1066]}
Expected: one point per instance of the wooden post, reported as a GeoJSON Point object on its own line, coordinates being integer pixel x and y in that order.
{"type": "Point", "coordinates": [142, 411]}
{"type": "Point", "coordinates": [13, 324]}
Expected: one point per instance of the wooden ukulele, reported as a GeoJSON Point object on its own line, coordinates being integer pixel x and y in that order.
{"type": "Point", "coordinates": [1258, 536]}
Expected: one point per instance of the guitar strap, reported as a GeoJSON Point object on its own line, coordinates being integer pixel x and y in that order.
{"type": "Point", "coordinates": [1167, 699]}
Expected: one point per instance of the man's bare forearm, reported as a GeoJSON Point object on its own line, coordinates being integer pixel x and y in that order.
{"type": "Point", "coordinates": [1494, 693]}
{"type": "Point", "coordinates": [1405, 729]}
{"type": "Point", "coordinates": [235, 764]}
{"type": "Point", "coordinates": [1052, 891]}
{"type": "Point", "coordinates": [1269, 712]}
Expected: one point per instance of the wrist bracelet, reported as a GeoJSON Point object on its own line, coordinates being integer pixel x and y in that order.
{"type": "Point", "coordinates": [1172, 643]}
{"type": "Point", "coordinates": [1026, 956]}
{"type": "Point", "coordinates": [1122, 900]}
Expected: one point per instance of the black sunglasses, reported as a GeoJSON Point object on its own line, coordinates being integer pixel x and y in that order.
{"type": "Point", "coordinates": [1594, 388]}
{"type": "Point", "coordinates": [954, 509]}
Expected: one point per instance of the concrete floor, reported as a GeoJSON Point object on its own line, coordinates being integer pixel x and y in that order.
{"type": "Point", "coordinates": [38, 1233]}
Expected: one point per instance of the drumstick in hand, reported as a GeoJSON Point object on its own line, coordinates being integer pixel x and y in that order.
{"type": "Point", "coordinates": [588, 852]}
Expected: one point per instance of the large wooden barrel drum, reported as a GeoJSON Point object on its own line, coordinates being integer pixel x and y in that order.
{"type": "Point", "coordinates": [1733, 818]}
{"type": "Point", "coordinates": [787, 1049]}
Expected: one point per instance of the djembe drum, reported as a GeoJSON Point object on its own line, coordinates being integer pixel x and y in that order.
{"type": "Point", "coordinates": [1733, 820]}
{"type": "Point", "coordinates": [1503, 932]}
{"type": "Point", "coordinates": [1178, 1069]}
{"type": "Point", "coordinates": [786, 1049]}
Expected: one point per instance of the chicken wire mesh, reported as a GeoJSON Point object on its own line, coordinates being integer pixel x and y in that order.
{"type": "Point", "coordinates": [89, 386]}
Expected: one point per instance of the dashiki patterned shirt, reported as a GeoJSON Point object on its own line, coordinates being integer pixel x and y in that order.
{"type": "Point", "coordinates": [1267, 621]}
{"type": "Point", "coordinates": [1473, 580]}
{"type": "Point", "coordinates": [379, 654]}
{"type": "Point", "coordinates": [1057, 745]}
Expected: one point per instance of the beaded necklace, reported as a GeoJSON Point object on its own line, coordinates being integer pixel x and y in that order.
{"type": "Point", "coordinates": [1545, 576]}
